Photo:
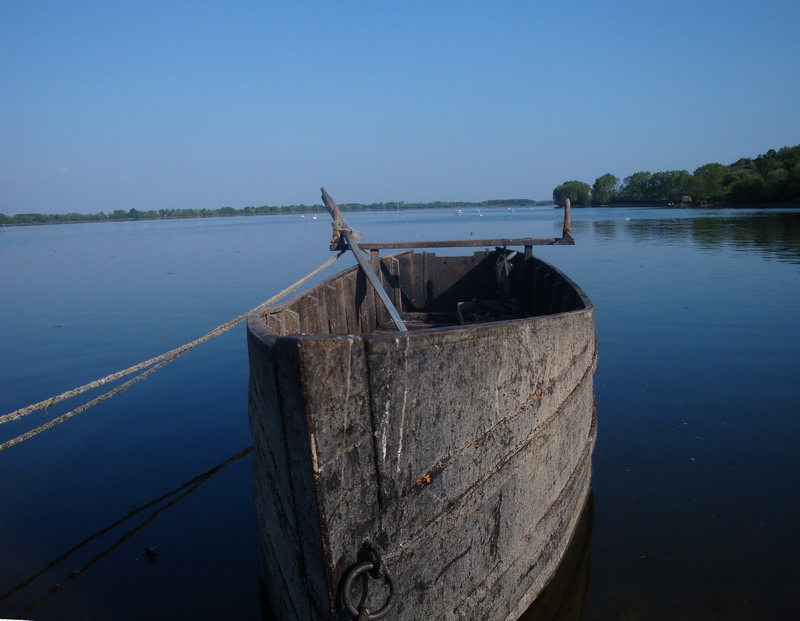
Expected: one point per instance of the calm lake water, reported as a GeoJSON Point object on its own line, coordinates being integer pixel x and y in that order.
{"type": "Point", "coordinates": [698, 395]}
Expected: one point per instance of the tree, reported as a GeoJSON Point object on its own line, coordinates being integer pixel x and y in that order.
{"type": "Point", "coordinates": [636, 187]}
{"type": "Point", "coordinates": [668, 185]}
{"type": "Point", "coordinates": [604, 189]}
{"type": "Point", "coordinates": [707, 182]}
{"type": "Point", "coordinates": [575, 191]}
{"type": "Point", "coordinates": [767, 162]}
{"type": "Point", "coordinates": [748, 189]}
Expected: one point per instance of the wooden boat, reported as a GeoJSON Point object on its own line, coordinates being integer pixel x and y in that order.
{"type": "Point", "coordinates": [566, 596]}
{"type": "Point", "coordinates": [426, 463]}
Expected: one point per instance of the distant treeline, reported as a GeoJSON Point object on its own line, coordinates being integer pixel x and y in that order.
{"type": "Point", "coordinates": [769, 178]}
{"type": "Point", "coordinates": [137, 214]}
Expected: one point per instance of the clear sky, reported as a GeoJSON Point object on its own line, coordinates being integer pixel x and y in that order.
{"type": "Point", "coordinates": [117, 104]}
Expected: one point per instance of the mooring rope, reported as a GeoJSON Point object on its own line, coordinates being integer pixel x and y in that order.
{"type": "Point", "coordinates": [159, 361]}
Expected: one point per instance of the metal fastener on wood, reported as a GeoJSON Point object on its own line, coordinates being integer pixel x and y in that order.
{"type": "Point", "coordinates": [375, 569]}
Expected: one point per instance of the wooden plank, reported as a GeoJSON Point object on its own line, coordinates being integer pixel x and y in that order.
{"type": "Point", "coordinates": [347, 297]}
{"type": "Point", "coordinates": [382, 316]}
{"type": "Point", "coordinates": [290, 322]}
{"type": "Point", "coordinates": [492, 444]}
{"type": "Point", "coordinates": [337, 319]}
{"type": "Point", "coordinates": [547, 298]}
{"type": "Point", "coordinates": [273, 322]}
{"type": "Point", "coordinates": [306, 307]}
{"type": "Point", "coordinates": [365, 301]}
{"type": "Point", "coordinates": [283, 479]}
{"type": "Point", "coordinates": [412, 291]}
{"type": "Point", "coordinates": [341, 440]}
{"type": "Point", "coordinates": [537, 288]}
{"type": "Point", "coordinates": [449, 280]}
{"type": "Point", "coordinates": [394, 281]}
{"type": "Point", "coordinates": [557, 294]}
{"type": "Point", "coordinates": [373, 279]}
{"type": "Point", "coordinates": [525, 284]}
{"type": "Point", "coordinates": [433, 422]}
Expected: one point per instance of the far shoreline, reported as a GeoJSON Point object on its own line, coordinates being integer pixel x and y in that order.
{"type": "Point", "coordinates": [792, 204]}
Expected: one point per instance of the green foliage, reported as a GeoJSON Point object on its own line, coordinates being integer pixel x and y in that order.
{"type": "Point", "coordinates": [707, 183]}
{"type": "Point", "coordinates": [747, 189]}
{"type": "Point", "coordinates": [636, 187]}
{"type": "Point", "coordinates": [669, 186]}
{"type": "Point", "coordinates": [769, 178]}
{"type": "Point", "coordinates": [604, 189]}
{"type": "Point", "coordinates": [576, 191]}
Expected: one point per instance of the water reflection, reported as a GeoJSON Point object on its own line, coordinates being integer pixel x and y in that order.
{"type": "Point", "coordinates": [605, 229]}
{"type": "Point", "coordinates": [160, 505]}
{"type": "Point", "coordinates": [774, 235]}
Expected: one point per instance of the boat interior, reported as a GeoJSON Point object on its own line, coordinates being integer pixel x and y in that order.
{"type": "Point", "coordinates": [430, 291]}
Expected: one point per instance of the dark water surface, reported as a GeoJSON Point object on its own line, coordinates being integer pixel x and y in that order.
{"type": "Point", "coordinates": [698, 395]}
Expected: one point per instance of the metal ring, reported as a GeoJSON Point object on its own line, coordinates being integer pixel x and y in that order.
{"type": "Point", "coordinates": [347, 583]}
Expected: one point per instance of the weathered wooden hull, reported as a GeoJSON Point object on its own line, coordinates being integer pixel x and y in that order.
{"type": "Point", "coordinates": [461, 453]}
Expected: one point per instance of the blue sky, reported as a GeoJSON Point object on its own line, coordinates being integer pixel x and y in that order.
{"type": "Point", "coordinates": [113, 105]}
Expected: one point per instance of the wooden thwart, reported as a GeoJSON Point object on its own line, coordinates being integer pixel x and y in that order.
{"type": "Point", "coordinates": [500, 242]}
{"type": "Point", "coordinates": [469, 243]}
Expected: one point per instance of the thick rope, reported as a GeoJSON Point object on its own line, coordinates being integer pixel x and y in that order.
{"type": "Point", "coordinates": [163, 359]}
{"type": "Point", "coordinates": [56, 421]}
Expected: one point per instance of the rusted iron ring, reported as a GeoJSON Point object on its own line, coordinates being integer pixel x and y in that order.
{"type": "Point", "coordinates": [376, 570]}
